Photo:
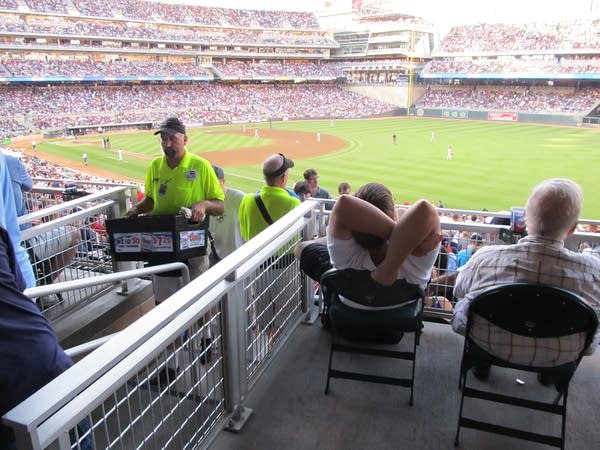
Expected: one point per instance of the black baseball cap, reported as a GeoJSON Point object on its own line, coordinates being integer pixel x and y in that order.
{"type": "Point", "coordinates": [171, 126]}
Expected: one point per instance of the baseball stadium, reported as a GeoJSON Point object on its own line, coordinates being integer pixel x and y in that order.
{"type": "Point", "coordinates": [467, 115]}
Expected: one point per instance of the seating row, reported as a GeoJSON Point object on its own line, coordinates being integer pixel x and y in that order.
{"type": "Point", "coordinates": [534, 317]}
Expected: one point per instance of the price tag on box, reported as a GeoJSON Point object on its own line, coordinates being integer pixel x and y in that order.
{"type": "Point", "coordinates": [157, 239]}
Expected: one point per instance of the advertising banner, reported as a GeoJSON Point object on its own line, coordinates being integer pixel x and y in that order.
{"type": "Point", "coordinates": [446, 114]}
{"type": "Point", "coordinates": [504, 116]}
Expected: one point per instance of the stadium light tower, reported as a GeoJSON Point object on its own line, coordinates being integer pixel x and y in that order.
{"type": "Point", "coordinates": [411, 50]}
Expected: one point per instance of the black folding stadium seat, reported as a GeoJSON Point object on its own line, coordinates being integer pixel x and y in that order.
{"type": "Point", "coordinates": [527, 327]}
{"type": "Point", "coordinates": [366, 332]}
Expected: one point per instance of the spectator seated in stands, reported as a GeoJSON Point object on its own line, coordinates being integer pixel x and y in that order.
{"type": "Point", "coordinates": [92, 245]}
{"type": "Point", "coordinates": [363, 230]}
{"type": "Point", "coordinates": [52, 251]}
{"type": "Point", "coordinates": [475, 242]}
{"type": "Point", "coordinates": [87, 240]}
{"type": "Point", "coordinates": [302, 190]}
{"type": "Point", "coordinates": [435, 300]}
{"type": "Point", "coordinates": [344, 188]}
{"type": "Point", "coordinates": [98, 227]}
{"type": "Point", "coordinates": [551, 215]}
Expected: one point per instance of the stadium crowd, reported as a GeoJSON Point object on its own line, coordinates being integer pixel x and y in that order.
{"type": "Point", "coordinates": [92, 29]}
{"type": "Point", "coordinates": [569, 101]}
{"type": "Point", "coordinates": [57, 107]}
{"type": "Point", "coordinates": [40, 168]}
{"type": "Point", "coordinates": [521, 65]}
{"type": "Point", "coordinates": [86, 67]}
{"type": "Point", "coordinates": [171, 13]}
{"type": "Point", "coordinates": [568, 35]}
{"type": "Point", "coordinates": [12, 127]}
{"type": "Point", "coordinates": [248, 69]}
{"type": "Point", "coordinates": [90, 68]}
{"type": "Point", "coordinates": [373, 64]}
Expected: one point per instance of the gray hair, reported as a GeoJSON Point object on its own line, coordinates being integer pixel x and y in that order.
{"type": "Point", "coordinates": [553, 208]}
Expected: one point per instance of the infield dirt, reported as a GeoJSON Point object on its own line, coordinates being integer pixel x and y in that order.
{"type": "Point", "coordinates": [294, 144]}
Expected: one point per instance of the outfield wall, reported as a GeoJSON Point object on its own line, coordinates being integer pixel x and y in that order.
{"type": "Point", "coordinates": [498, 116]}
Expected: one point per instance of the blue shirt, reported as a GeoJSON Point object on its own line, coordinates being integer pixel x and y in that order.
{"type": "Point", "coordinates": [21, 182]}
{"type": "Point", "coordinates": [30, 355]}
{"type": "Point", "coordinates": [463, 256]}
{"type": "Point", "coordinates": [8, 221]}
{"type": "Point", "coordinates": [452, 263]}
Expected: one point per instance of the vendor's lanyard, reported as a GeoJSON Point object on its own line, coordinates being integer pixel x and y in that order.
{"type": "Point", "coordinates": [162, 188]}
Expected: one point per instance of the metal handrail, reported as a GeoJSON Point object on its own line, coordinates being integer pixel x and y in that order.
{"type": "Point", "coordinates": [72, 285]}
{"type": "Point", "coordinates": [69, 205]}
{"type": "Point", "coordinates": [66, 181]}
{"type": "Point", "coordinates": [70, 219]}
{"type": "Point", "coordinates": [89, 346]}
{"type": "Point", "coordinates": [137, 341]}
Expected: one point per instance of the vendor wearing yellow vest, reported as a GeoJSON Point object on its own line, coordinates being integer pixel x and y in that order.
{"type": "Point", "coordinates": [175, 179]}
{"type": "Point", "coordinates": [268, 311]}
{"type": "Point", "coordinates": [276, 199]}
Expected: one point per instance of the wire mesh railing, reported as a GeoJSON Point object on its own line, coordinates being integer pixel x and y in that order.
{"type": "Point", "coordinates": [179, 374]}
{"type": "Point", "coordinates": [67, 240]}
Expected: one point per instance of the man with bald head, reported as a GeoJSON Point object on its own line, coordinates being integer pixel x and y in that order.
{"type": "Point", "coordinates": [276, 199]}
{"type": "Point", "coordinates": [258, 211]}
{"type": "Point", "coordinates": [551, 215]}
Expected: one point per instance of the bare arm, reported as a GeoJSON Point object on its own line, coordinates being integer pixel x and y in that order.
{"type": "Point", "coordinates": [203, 207]}
{"type": "Point", "coordinates": [417, 232]}
{"type": "Point", "coordinates": [143, 207]}
{"type": "Point", "coordinates": [353, 214]}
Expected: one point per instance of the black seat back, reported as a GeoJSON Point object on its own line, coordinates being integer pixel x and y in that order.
{"type": "Point", "coordinates": [536, 311]}
{"type": "Point", "coordinates": [368, 325]}
{"type": "Point", "coordinates": [344, 282]}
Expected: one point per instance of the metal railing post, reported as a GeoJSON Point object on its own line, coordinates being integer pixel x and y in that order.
{"type": "Point", "coordinates": [236, 379]}
{"type": "Point", "coordinates": [306, 290]}
{"type": "Point", "coordinates": [118, 210]}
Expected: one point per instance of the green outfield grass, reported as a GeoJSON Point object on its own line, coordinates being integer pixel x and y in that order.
{"type": "Point", "coordinates": [495, 165]}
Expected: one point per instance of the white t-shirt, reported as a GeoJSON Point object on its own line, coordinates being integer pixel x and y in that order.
{"type": "Point", "coordinates": [347, 254]}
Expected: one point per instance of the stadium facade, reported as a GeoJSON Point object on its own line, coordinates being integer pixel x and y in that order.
{"type": "Point", "coordinates": [85, 50]}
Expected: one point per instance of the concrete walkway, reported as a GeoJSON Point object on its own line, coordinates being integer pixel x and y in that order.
{"type": "Point", "coordinates": [292, 412]}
